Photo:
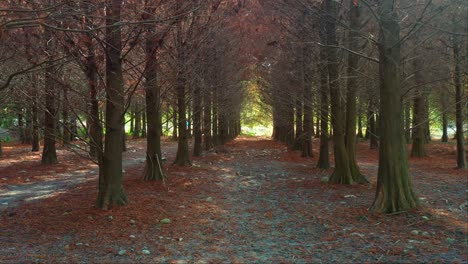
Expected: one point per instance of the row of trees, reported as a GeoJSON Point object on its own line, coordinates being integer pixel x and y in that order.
{"type": "Point", "coordinates": [400, 60]}
{"type": "Point", "coordinates": [75, 68]}
{"type": "Point", "coordinates": [325, 67]}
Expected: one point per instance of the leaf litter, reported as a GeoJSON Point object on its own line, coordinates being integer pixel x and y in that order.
{"type": "Point", "coordinates": [257, 202]}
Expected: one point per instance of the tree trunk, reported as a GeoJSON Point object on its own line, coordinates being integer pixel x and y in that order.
{"type": "Point", "coordinates": [342, 173]}
{"type": "Point", "coordinates": [182, 156]}
{"type": "Point", "coordinates": [215, 138]}
{"type": "Point", "coordinates": [137, 114]}
{"type": "Point", "coordinates": [207, 119]}
{"type": "Point", "coordinates": [111, 190]}
{"type": "Point", "coordinates": [298, 118]}
{"type": "Point", "coordinates": [444, 104]}
{"type": "Point", "coordinates": [197, 116]}
{"type": "Point", "coordinates": [307, 126]}
{"type": "Point", "coordinates": [353, 61]}
{"type": "Point", "coordinates": [460, 101]}
{"type": "Point", "coordinates": [175, 135]}
{"type": "Point", "coordinates": [324, 155]}
{"type": "Point", "coordinates": [394, 192]}
{"type": "Point", "coordinates": [419, 134]}
{"type": "Point", "coordinates": [308, 121]}
{"type": "Point", "coordinates": [153, 165]}
{"type": "Point", "coordinates": [91, 72]}
{"type": "Point", "coordinates": [374, 141]}
{"type": "Point", "coordinates": [35, 117]}
{"type": "Point", "coordinates": [49, 154]}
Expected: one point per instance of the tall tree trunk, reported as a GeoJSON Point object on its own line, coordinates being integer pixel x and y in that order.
{"type": "Point", "coordinates": [324, 155]}
{"type": "Point", "coordinates": [444, 105]}
{"type": "Point", "coordinates": [223, 123]}
{"type": "Point", "coordinates": [111, 190]}
{"type": "Point", "coordinates": [35, 117]}
{"type": "Point", "coordinates": [298, 118]}
{"type": "Point", "coordinates": [308, 121]}
{"type": "Point", "coordinates": [342, 173]}
{"type": "Point", "coordinates": [153, 165]}
{"type": "Point", "coordinates": [197, 116]}
{"type": "Point", "coordinates": [207, 119]}
{"type": "Point", "coordinates": [419, 134]}
{"type": "Point", "coordinates": [394, 191]}
{"type": "Point", "coordinates": [353, 61]}
{"type": "Point", "coordinates": [215, 138]}
{"type": "Point", "coordinates": [91, 71]}
{"type": "Point", "coordinates": [175, 134]}
{"type": "Point", "coordinates": [307, 126]}
{"type": "Point", "coordinates": [137, 114]}
{"type": "Point", "coordinates": [182, 156]}
{"type": "Point", "coordinates": [460, 101]}
{"type": "Point", "coordinates": [49, 154]}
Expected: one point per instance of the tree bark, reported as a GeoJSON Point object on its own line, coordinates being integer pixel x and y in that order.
{"type": "Point", "coordinates": [35, 117]}
{"type": "Point", "coordinates": [137, 114]}
{"type": "Point", "coordinates": [175, 134]}
{"type": "Point", "coordinates": [298, 119]}
{"type": "Point", "coordinates": [418, 149]}
{"type": "Point", "coordinates": [342, 173]}
{"type": "Point", "coordinates": [308, 121]}
{"type": "Point", "coordinates": [91, 72]}
{"type": "Point", "coordinates": [111, 190]}
{"type": "Point", "coordinates": [460, 101]}
{"type": "Point", "coordinates": [49, 154]}
{"type": "Point", "coordinates": [207, 119]}
{"type": "Point", "coordinates": [197, 116]}
{"type": "Point", "coordinates": [182, 156]}
{"type": "Point", "coordinates": [153, 165]}
{"type": "Point", "coordinates": [353, 61]}
{"type": "Point", "coordinates": [444, 104]}
{"type": "Point", "coordinates": [324, 155]}
{"type": "Point", "coordinates": [394, 191]}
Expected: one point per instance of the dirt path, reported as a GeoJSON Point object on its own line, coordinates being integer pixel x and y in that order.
{"type": "Point", "coordinates": [257, 203]}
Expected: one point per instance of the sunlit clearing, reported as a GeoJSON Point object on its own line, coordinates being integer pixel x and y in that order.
{"type": "Point", "coordinates": [256, 117]}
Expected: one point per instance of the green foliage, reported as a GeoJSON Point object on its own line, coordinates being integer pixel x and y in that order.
{"type": "Point", "coordinates": [255, 113]}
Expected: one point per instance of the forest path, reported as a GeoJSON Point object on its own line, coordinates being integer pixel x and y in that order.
{"type": "Point", "coordinates": [252, 213]}
{"type": "Point", "coordinates": [258, 202]}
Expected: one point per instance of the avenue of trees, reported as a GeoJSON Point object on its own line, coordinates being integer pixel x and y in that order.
{"type": "Point", "coordinates": [86, 74]}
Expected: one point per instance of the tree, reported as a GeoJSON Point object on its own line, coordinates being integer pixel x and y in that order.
{"type": "Point", "coordinates": [459, 99]}
{"type": "Point", "coordinates": [153, 164]}
{"type": "Point", "coordinates": [324, 156]}
{"type": "Point", "coordinates": [394, 191]}
{"type": "Point", "coordinates": [342, 172]}
{"type": "Point", "coordinates": [111, 190]}
{"type": "Point", "coordinates": [49, 153]}
{"type": "Point", "coordinates": [352, 74]}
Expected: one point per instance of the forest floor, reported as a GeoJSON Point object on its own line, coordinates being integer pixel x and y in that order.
{"type": "Point", "coordinates": [256, 203]}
